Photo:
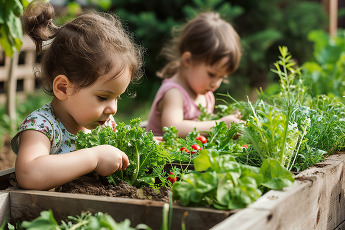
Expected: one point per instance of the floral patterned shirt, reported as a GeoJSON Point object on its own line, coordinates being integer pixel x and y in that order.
{"type": "Point", "coordinates": [44, 121]}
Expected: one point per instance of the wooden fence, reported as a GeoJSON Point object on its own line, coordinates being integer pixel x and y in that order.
{"type": "Point", "coordinates": [23, 69]}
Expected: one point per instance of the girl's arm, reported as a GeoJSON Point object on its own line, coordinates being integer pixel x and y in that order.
{"type": "Point", "coordinates": [36, 169]}
{"type": "Point", "coordinates": [172, 115]}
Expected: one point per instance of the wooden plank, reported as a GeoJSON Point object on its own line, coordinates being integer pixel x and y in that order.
{"type": "Point", "coordinates": [6, 172]}
{"type": "Point", "coordinates": [340, 226]}
{"type": "Point", "coordinates": [315, 201]}
{"type": "Point", "coordinates": [5, 178]}
{"type": "Point", "coordinates": [4, 206]}
{"type": "Point", "coordinates": [243, 220]}
{"type": "Point", "coordinates": [30, 203]}
{"type": "Point", "coordinates": [273, 210]}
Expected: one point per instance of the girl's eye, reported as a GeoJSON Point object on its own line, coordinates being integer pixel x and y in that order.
{"type": "Point", "coordinates": [211, 74]}
{"type": "Point", "coordinates": [102, 98]}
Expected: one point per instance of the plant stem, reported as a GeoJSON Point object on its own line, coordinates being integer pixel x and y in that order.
{"type": "Point", "coordinates": [135, 176]}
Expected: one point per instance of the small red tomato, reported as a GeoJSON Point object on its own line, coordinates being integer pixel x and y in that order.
{"type": "Point", "coordinates": [184, 149]}
{"type": "Point", "coordinates": [245, 146]}
{"type": "Point", "coordinates": [196, 147]}
{"type": "Point", "coordinates": [202, 139]}
{"type": "Point", "coordinates": [172, 178]}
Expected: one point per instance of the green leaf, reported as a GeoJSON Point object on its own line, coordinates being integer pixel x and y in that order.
{"type": "Point", "coordinates": [206, 182]}
{"type": "Point", "coordinates": [275, 176]}
{"type": "Point", "coordinates": [15, 6]}
{"type": "Point", "coordinates": [44, 222]}
{"type": "Point", "coordinates": [202, 162]}
{"type": "Point", "coordinates": [6, 44]}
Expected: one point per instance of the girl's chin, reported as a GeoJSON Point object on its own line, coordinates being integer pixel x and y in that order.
{"type": "Point", "coordinates": [91, 126]}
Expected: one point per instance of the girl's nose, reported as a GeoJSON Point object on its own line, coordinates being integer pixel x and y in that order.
{"type": "Point", "coordinates": [111, 107]}
{"type": "Point", "coordinates": [216, 84]}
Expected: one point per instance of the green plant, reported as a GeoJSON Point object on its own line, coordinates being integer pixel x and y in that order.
{"type": "Point", "coordinates": [11, 33]}
{"type": "Point", "coordinates": [85, 221]}
{"type": "Point", "coordinates": [220, 181]}
{"type": "Point", "coordinates": [270, 130]}
{"type": "Point", "coordinates": [325, 74]}
{"type": "Point", "coordinates": [143, 151]}
{"type": "Point", "coordinates": [291, 125]}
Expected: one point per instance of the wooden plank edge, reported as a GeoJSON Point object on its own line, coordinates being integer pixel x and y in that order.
{"type": "Point", "coordinates": [6, 172]}
{"type": "Point", "coordinates": [32, 202]}
{"type": "Point", "coordinates": [4, 207]}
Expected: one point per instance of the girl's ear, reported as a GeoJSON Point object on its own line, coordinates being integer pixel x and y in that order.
{"type": "Point", "coordinates": [186, 59]}
{"type": "Point", "coordinates": [60, 85]}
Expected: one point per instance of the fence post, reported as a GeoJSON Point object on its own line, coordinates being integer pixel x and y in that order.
{"type": "Point", "coordinates": [331, 7]}
{"type": "Point", "coordinates": [11, 86]}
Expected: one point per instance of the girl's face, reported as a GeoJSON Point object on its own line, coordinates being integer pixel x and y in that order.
{"type": "Point", "coordinates": [202, 78]}
{"type": "Point", "coordinates": [92, 106]}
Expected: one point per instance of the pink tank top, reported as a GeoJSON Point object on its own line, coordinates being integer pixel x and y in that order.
{"type": "Point", "coordinates": [190, 109]}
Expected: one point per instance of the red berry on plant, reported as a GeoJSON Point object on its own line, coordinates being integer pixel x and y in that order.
{"type": "Point", "coordinates": [202, 139]}
{"type": "Point", "coordinates": [172, 178]}
{"type": "Point", "coordinates": [196, 147]}
{"type": "Point", "coordinates": [184, 149]}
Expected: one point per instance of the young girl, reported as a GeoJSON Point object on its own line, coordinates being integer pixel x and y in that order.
{"type": "Point", "coordinates": [207, 50]}
{"type": "Point", "coordinates": [86, 68]}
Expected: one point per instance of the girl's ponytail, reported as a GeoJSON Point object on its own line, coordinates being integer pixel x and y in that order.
{"type": "Point", "coordinates": [38, 22]}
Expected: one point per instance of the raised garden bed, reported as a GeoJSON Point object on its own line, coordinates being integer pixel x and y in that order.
{"type": "Point", "coordinates": [315, 201]}
{"type": "Point", "coordinates": [27, 204]}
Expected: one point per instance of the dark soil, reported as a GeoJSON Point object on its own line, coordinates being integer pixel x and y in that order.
{"type": "Point", "coordinates": [7, 157]}
{"type": "Point", "coordinates": [93, 184]}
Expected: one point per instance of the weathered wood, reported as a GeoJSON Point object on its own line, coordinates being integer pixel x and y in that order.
{"type": "Point", "coordinates": [29, 203]}
{"type": "Point", "coordinates": [4, 207]}
{"type": "Point", "coordinates": [5, 177]}
{"type": "Point", "coordinates": [315, 201]}
{"type": "Point", "coordinates": [340, 226]}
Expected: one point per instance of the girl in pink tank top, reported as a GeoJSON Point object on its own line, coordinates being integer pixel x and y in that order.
{"type": "Point", "coordinates": [207, 50]}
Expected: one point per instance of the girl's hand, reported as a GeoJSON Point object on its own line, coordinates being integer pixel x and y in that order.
{"type": "Point", "coordinates": [232, 118]}
{"type": "Point", "coordinates": [158, 138]}
{"type": "Point", "coordinates": [109, 159]}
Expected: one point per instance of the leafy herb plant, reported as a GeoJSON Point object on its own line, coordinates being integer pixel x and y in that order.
{"type": "Point", "coordinates": [147, 158]}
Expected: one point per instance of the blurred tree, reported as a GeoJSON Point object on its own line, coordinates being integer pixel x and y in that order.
{"type": "Point", "coordinates": [267, 24]}
{"type": "Point", "coordinates": [263, 26]}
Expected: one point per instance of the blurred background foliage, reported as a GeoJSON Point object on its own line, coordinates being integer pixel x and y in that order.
{"type": "Point", "coordinates": [262, 25]}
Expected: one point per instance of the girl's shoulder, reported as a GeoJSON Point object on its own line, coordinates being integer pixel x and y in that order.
{"type": "Point", "coordinates": [43, 120]}
{"type": "Point", "coordinates": [168, 84]}
{"type": "Point", "coordinates": [45, 114]}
